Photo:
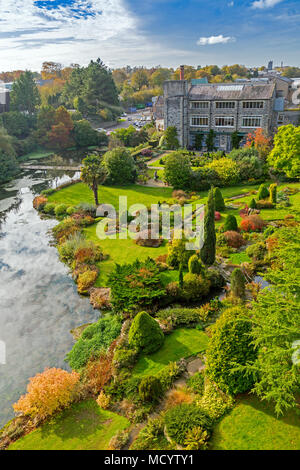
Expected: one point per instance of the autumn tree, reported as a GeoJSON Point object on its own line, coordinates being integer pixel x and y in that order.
{"type": "Point", "coordinates": [93, 173]}
{"type": "Point", "coordinates": [261, 142]}
{"type": "Point", "coordinates": [48, 392]}
{"type": "Point", "coordinates": [139, 79]}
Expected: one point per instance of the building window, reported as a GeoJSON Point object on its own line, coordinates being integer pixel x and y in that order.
{"type": "Point", "coordinates": [225, 104]}
{"type": "Point", "coordinates": [253, 104]}
{"type": "Point", "coordinates": [252, 121]}
{"type": "Point", "coordinates": [224, 121]}
{"type": "Point", "coordinates": [280, 119]}
{"type": "Point", "coordinates": [199, 104]}
{"type": "Point", "coordinates": [199, 121]}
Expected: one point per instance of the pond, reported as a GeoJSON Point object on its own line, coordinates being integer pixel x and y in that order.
{"type": "Point", "coordinates": [39, 304]}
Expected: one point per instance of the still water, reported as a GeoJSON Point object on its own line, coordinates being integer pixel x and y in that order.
{"type": "Point", "coordinates": [39, 304]}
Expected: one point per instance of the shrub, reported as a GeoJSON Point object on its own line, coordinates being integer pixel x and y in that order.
{"type": "Point", "coordinates": [263, 192]}
{"type": "Point", "coordinates": [71, 210]}
{"type": "Point", "coordinates": [178, 396]}
{"type": "Point", "coordinates": [86, 280]}
{"type": "Point", "coordinates": [60, 210]}
{"type": "Point", "coordinates": [230, 224]}
{"type": "Point", "coordinates": [100, 297]}
{"type": "Point", "coordinates": [135, 285]}
{"type": "Point", "coordinates": [47, 393]}
{"type": "Point", "coordinates": [238, 283]}
{"type": "Point", "coordinates": [150, 389]}
{"type": "Point", "coordinates": [257, 251]}
{"type": "Point", "coordinates": [120, 166]}
{"type": "Point", "coordinates": [86, 208]}
{"type": "Point", "coordinates": [125, 358]}
{"type": "Point", "coordinates": [195, 286]}
{"type": "Point", "coordinates": [219, 201]}
{"type": "Point", "coordinates": [227, 170]}
{"type": "Point", "coordinates": [229, 346]}
{"type": "Point", "coordinates": [183, 418]}
{"type": "Point", "coordinates": [94, 339]}
{"type": "Point", "coordinates": [216, 279]}
{"type": "Point", "coordinates": [75, 242]}
{"type": "Point", "coordinates": [145, 334]}
{"type": "Point", "coordinates": [214, 402]}
{"type": "Point", "coordinates": [49, 208]}
{"type": "Point", "coordinates": [253, 204]}
{"type": "Point", "coordinates": [66, 229]}
{"type": "Point", "coordinates": [195, 265]}
{"type": "Point", "coordinates": [178, 316]}
{"type": "Point", "coordinates": [177, 253]}
{"type": "Point", "coordinates": [103, 400]}
{"type": "Point", "coordinates": [196, 439]}
{"type": "Point", "coordinates": [234, 239]}
{"type": "Point", "coordinates": [39, 203]}
{"type": "Point", "coordinates": [118, 441]}
{"type": "Point", "coordinates": [252, 223]}
{"type": "Point", "coordinates": [178, 170]}
{"type": "Point", "coordinates": [196, 383]}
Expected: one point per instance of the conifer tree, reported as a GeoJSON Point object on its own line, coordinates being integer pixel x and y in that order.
{"type": "Point", "coordinates": [208, 251]}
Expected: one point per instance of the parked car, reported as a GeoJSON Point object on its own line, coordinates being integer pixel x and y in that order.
{"type": "Point", "coordinates": [100, 129]}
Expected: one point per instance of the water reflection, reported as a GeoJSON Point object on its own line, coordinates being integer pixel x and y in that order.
{"type": "Point", "coordinates": [39, 304]}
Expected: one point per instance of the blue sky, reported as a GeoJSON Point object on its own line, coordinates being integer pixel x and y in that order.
{"type": "Point", "coordinates": [149, 32]}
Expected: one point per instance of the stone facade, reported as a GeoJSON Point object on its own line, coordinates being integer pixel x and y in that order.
{"type": "Point", "coordinates": [223, 108]}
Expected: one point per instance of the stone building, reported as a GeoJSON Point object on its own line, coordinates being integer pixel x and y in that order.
{"type": "Point", "coordinates": [222, 107]}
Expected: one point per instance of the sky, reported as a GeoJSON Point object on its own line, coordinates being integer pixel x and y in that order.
{"type": "Point", "coordinates": [149, 32]}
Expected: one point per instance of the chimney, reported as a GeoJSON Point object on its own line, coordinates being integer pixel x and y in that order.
{"type": "Point", "coordinates": [182, 72]}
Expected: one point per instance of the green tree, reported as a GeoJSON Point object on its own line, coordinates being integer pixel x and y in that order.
{"type": "Point", "coordinates": [199, 140]}
{"type": "Point", "coordinates": [285, 156]}
{"type": "Point", "coordinates": [145, 334]}
{"type": "Point", "coordinates": [120, 166]}
{"type": "Point", "coordinates": [93, 173]}
{"type": "Point", "coordinates": [273, 193]}
{"type": "Point", "coordinates": [25, 96]}
{"type": "Point", "coordinates": [85, 135]}
{"type": "Point", "coordinates": [178, 170]}
{"type": "Point", "coordinates": [219, 201]}
{"type": "Point", "coordinates": [8, 163]}
{"type": "Point", "coordinates": [230, 224]}
{"type": "Point", "coordinates": [236, 140]}
{"type": "Point", "coordinates": [170, 138]}
{"type": "Point", "coordinates": [17, 124]}
{"type": "Point", "coordinates": [210, 140]}
{"type": "Point", "coordinates": [195, 265]}
{"type": "Point", "coordinates": [230, 345]}
{"type": "Point", "coordinates": [150, 389]}
{"type": "Point", "coordinates": [208, 251]}
{"type": "Point", "coordinates": [263, 192]}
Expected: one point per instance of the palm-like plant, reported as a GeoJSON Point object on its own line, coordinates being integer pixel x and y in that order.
{"type": "Point", "coordinates": [93, 173]}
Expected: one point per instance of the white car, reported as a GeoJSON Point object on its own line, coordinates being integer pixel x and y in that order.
{"type": "Point", "coordinates": [100, 129]}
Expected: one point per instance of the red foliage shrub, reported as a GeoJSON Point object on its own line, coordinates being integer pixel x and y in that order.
{"type": "Point", "coordinates": [244, 212]}
{"type": "Point", "coordinates": [217, 216]}
{"type": "Point", "coordinates": [39, 202]}
{"type": "Point", "coordinates": [252, 223]}
{"type": "Point", "coordinates": [234, 239]}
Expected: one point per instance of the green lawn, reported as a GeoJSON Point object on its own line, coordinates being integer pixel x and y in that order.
{"type": "Point", "coordinates": [83, 426]}
{"type": "Point", "coordinates": [39, 154]}
{"type": "Point", "coordinates": [121, 252]}
{"type": "Point", "coordinates": [110, 195]}
{"type": "Point", "coordinates": [181, 343]}
{"type": "Point", "coordinates": [252, 425]}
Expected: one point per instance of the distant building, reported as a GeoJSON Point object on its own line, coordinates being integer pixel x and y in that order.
{"type": "Point", "coordinates": [158, 111]}
{"type": "Point", "coordinates": [270, 65]}
{"type": "Point", "coordinates": [224, 108]}
{"type": "Point", "coordinates": [4, 99]}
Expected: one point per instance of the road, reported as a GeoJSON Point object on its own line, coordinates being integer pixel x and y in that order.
{"type": "Point", "coordinates": [130, 120]}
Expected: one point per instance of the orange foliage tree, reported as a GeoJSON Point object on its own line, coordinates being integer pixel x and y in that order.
{"type": "Point", "coordinates": [47, 392]}
{"type": "Point", "coordinates": [260, 141]}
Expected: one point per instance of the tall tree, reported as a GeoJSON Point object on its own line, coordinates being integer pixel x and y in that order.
{"type": "Point", "coordinates": [285, 156]}
{"type": "Point", "coordinates": [25, 96]}
{"type": "Point", "coordinates": [93, 173]}
{"type": "Point", "coordinates": [139, 79]}
{"type": "Point", "coordinates": [208, 251]}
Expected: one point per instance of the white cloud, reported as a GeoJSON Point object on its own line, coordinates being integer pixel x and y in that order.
{"type": "Point", "coordinates": [215, 40]}
{"type": "Point", "coordinates": [31, 34]}
{"type": "Point", "coordinates": [262, 4]}
{"type": "Point", "coordinates": [230, 4]}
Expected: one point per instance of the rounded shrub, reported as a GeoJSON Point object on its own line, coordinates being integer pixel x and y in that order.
{"type": "Point", "coordinates": [230, 345]}
{"type": "Point", "coordinates": [253, 204]}
{"type": "Point", "coordinates": [195, 286]}
{"type": "Point", "coordinates": [71, 210]}
{"type": "Point", "coordinates": [230, 224]}
{"type": "Point", "coordinates": [49, 208]}
{"type": "Point", "coordinates": [183, 418]}
{"type": "Point", "coordinates": [145, 334]}
{"type": "Point", "coordinates": [219, 201]}
{"type": "Point", "coordinates": [257, 251]}
{"type": "Point", "coordinates": [61, 209]}
{"type": "Point", "coordinates": [150, 389]}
